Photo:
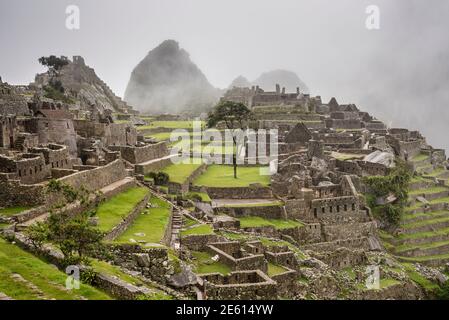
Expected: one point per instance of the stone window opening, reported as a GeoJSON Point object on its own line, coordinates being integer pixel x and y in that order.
{"type": "Point", "coordinates": [35, 169]}
{"type": "Point", "coordinates": [20, 173]}
{"type": "Point", "coordinates": [315, 212]}
{"type": "Point", "coordinates": [338, 208]}
{"type": "Point", "coordinates": [346, 207]}
{"type": "Point", "coordinates": [330, 209]}
{"type": "Point", "coordinates": [323, 210]}
{"type": "Point", "coordinates": [353, 207]}
{"type": "Point", "coordinates": [31, 171]}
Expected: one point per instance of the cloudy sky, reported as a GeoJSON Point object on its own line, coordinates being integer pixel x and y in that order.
{"type": "Point", "coordinates": [399, 73]}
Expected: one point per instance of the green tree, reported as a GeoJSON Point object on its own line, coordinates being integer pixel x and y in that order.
{"type": "Point", "coordinates": [54, 62]}
{"type": "Point", "coordinates": [235, 115]}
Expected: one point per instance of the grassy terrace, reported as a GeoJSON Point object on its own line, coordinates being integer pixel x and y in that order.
{"type": "Point", "coordinates": [25, 277]}
{"type": "Point", "coordinates": [223, 176]}
{"type": "Point", "coordinates": [428, 190]}
{"type": "Point", "coordinates": [201, 229]}
{"type": "Point", "coordinates": [430, 245]}
{"type": "Point", "coordinates": [420, 157]}
{"type": "Point", "coordinates": [276, 203]}
{"type": "Point", "coordinates": [274, 269]}
{"type": "Point", "coordinates": [180, 172]}
{"type": "Point", "coordinates": [434, 214]}
{"type": "Point", "coordinates": [150, 226]}
{"type": "Point", "coordinates": [422, 235]}
{"type": "Point", "coordinates": [169, 125]}
{"type": "Point", "coordinates": [248, 222]}
{"type": "Point", "coordinates": [114, 210]}
{"type": "Point", "coordinates": [424, 223]}
{"type": "Point", "coordinates": [115, 271]}
{"type": "Point", "coordinates": [12, 210]}
{"type": "Point", "coordinates": [204, 264]}
{"type": "Point", "coordinates": [204, 196]}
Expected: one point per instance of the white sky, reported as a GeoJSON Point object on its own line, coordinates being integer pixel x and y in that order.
{"type": "Point", "coordinates": [395, 72]}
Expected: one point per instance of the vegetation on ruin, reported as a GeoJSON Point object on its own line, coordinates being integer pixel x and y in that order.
{"type": "Point", "coordinates": [222, 176]}
{"type": "Point", "coordinates": [204, 264]}
{"type": "Point", "coordinates": [255, 221]}
{"type": "Point", "coordinates": [149, 226]}
{"type": "Point", "coordinates": [395, 183]}
{"type": "Point", "coordinates": [69, 193]}
{"type": "Point", "coordinates": [54, 62]}
{"type": "Point", "coordinates": [10, 211]}
{"type": "Point", "coordinates": [113, 211]}
{"type": "Point", "coordinates": [38, 279]}
{"type": "Point", "coordinates": [235, 115]}
{"type": "Point", "coordinates": [201, 229]}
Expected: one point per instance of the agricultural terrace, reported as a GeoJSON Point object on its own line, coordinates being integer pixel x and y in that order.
{"type": "Point", "coordinates": [223, 176]}
{"type": "Point", "coordinates": [113, 211]}
{"type": "Point", "coordinates": [149, 227]}
{"type": "Point", "coordinates": [25, 277]}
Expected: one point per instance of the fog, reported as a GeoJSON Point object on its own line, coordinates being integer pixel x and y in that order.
{"type": "Point", "coordinates": [400, 73]}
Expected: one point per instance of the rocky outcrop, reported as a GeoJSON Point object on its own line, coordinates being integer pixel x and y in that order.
{"type": "Point", "coordinates": [82, 85]}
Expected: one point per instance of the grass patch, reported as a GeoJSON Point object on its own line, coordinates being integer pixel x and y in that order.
{"type": "Point", "coordinates": [274, 269]}
{"type": "Point", "coordinates": [204, 264]}
{"type": "Point", "coordinates": [180, 172]}
{"type": "Point", "coordinates": [151, 225]}
{"type": "Point", "coordinates": [13, 210]}
{"type": "Point", "coordinates": [114, 210]}
{"type": "Point", "coordinates": [419, 279]}
{"type": "Point", "coordinates": [223, 176]}
{"type": "Point", "coordinates": [424, 223]}
{"type": "Point", "coordinates": [420, 157]}
{"type": "Point", "coordinates": [258, 204]}
{"type": "Point", "coordinates": [254, 222]}
{"type": "Point", "coordinates": [202, 229]}
{"type": "Point", "coordinates": [47, 278]}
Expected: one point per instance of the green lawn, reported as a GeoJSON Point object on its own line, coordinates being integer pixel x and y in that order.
{"type": "Point", "coordinates": [204, 264]}
{"type": "Point", "coordinates": [13, 210]}
{"type": "Point", "coordinates": [223, 176]}
{"type": "Point", "coordinates": [149, 227]}
{"type": "Point", "coordinates": [258, 204]}
{"type": "Point", "coordinates": [424, 223]}
{"type": "Point", "coordinates": [202, 229]}
{"type": "Point", "coordinates": [420, 157]}
{"type": "Point", "coordinates": [42, 280]}
{"type": "Point", "coordinates": [180, 172]}
{"type": "Point", "coordinates": [111, 270]}
{"type": "Point", "coordinates": [169, 125]}
{"type": "Point", "coordinates": [113, 211]}
{"type": "Point", "coordinates": [274, 269]}
{"type": "Point", "coordinates": [253, 221]}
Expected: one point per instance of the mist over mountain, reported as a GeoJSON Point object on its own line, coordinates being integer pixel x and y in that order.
{"type": "Point", "coordinates": [284, 78]}
{"type": "Point", "coordinates": [268, 80]}
{"type": "Point", "coordinates": [167, 81]}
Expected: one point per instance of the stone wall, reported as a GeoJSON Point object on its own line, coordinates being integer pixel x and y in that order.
{"type": "Point", "coordinates": [236, 193]}
{"type": "Point", "coordinates": [134, 154]}
{"type": "Point", "coordinates": [230, 253]}
{"type": "Point", "coordinates": [181, 188]}
{"type": "Point", "coordinates": [13, 193]}
{"type": "Point", "coordinates": [269, 212]}
{"type": "Point", "coordinates": [239, 285]}
{"type": "Point", "coordinates": [199, 242]}
{"type": "Point", "coordinates": [97, 178]}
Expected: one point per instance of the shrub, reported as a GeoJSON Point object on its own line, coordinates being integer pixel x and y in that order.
{"type": "Point", "coordinates": [160, 178]}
